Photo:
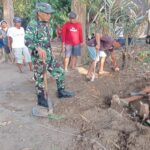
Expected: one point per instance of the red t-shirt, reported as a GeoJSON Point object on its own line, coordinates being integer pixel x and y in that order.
{"type": "Point", "coordinates": [72, 33]}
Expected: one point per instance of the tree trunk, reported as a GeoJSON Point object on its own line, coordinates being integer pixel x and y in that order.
{"type": "Point", "coordinates": [148, 28]}
{"type": "Point", "coordinates": [80, 9]}
{"type": "Point", "coordinates": [8, 11]}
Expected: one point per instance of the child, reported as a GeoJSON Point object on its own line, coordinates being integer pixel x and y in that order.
{"type": "Point", "coordinates": [59, 32]}
{"type": "Point", "coordinates": [3, 33]}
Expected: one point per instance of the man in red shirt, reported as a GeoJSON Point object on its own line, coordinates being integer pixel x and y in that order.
{"type": "Point", "coordinates": [72, 39]}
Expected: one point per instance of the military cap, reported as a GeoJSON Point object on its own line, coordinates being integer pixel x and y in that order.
{"type": "Point", "coordinates": [44, 7]}
{"type": "Point", "coordinates": [72, 15]}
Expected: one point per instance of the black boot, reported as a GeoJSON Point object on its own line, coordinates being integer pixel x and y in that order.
{"type": "Point", "coordinates": [64, 94]}
{"type": "Point", "coordinates": [42, 101]}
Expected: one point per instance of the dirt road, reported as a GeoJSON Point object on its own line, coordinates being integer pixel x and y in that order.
{"type": "Point", "coordinates": [18, 128]}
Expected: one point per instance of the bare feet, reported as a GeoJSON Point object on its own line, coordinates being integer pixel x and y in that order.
{"type": "Point", "coordinates": [93, 76]}
{"type": "Point", "coordinates": [116, 69]}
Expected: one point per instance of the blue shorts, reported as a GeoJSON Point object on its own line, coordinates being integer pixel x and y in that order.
{"type": "Point", "coordinates": [7, 49]}
{"type": "Point", "coordinates": [122, 41]}
{"type": "Point", "coordinates": [72, 50]}
{"type": "Point", "coordinates": [1, 43]}
{"type": "Point", "coordinates": [92, 53]}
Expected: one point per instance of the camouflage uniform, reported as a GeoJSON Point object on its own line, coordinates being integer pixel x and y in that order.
{"type": "Point", "coordinates": [38, 35]}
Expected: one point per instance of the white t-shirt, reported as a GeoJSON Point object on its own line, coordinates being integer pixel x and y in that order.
{"type": "Point", "coordinates": [17, 36]}
{"type": "Point", "coordinates": [119, 32]}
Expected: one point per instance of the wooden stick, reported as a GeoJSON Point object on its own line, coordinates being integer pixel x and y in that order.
{"type": "Point", "coordinates": [84, 118]}
{"type": "Point", "coordinates": [45, 79]}
{"type": "Point", "coordinates": [139, 96]}
{"type": "Point", "coordinates": [132, 98]}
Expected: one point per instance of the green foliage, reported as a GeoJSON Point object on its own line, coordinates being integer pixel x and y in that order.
{"type": "Point", "coordinates": [147, 59]}
{"type": "Point", "coordinates": [144, 56]}
{"type": "Point", "coordinates": [25, 9]}
{"type": "Point", "coordinates": [103, 13]}
{"type": "Point", "coordinates": [109, 13]}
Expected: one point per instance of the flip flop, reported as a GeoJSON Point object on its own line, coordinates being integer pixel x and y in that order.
{"type": "Point", "coordinates": [103, 73]}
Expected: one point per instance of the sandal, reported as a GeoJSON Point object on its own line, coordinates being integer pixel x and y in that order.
{"type": "Point", "coordinates": [116, 69]}
{"type": "Point", "coordinates": [103, 73]}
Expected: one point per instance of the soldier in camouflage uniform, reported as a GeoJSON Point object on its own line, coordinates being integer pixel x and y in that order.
{"type": "Point", "coordinates": [38, 40]}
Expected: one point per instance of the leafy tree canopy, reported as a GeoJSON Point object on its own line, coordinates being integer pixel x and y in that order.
{"type": "Point", "coordinates": [25, 9]}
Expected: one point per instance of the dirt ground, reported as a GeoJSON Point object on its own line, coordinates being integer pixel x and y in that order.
{"type": "Point", "coordinates": [88, 122]}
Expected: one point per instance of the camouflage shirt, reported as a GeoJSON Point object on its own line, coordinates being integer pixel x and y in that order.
{"type": "Point", "coordinates": [38, 35]}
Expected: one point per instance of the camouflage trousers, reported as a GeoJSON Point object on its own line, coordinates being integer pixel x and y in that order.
{"type": "Point", "coordinates": [53, 67]}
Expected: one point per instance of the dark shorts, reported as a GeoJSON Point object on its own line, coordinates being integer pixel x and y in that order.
{"type": "Point", "coordinates": [71, 50]}
{"type": "Point", "coordinates": [7, 50]}
{"type": "Point", "coordinates": [122, 41]}
{"type": "Point", "coordinates": [1, 43]}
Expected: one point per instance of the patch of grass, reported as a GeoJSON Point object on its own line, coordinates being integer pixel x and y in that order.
{"type": "Point", "coordinates": [55, 117]}
{"type": "Point", "coordinates": [145, 56]}
{"type": "Point", "coordinates": [147, 60]}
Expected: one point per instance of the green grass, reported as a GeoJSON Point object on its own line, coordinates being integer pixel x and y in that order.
{"type": "Point", "coordinates": [145, 55]}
